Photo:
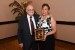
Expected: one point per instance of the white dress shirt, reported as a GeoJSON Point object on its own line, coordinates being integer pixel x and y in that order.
{"type": "Point", "coordinates": [28, 17]}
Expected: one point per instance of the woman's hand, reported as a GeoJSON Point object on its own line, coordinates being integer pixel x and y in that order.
{"type": "Point", "coordinates": [45, 37]}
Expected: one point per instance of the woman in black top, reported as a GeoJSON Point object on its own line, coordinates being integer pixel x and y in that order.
{"type": "Point", "coordinates": [49, 25]}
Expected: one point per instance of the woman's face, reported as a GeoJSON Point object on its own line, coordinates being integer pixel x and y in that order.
{"type": "Point", "coordinates": [45, 11]}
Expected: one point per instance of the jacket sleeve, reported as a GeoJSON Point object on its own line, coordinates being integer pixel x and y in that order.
{"type": "Point", "coordinates": [20, 31]}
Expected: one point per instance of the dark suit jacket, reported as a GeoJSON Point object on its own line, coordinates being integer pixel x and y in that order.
{"type": "Point", "coordinates": [24, 35]}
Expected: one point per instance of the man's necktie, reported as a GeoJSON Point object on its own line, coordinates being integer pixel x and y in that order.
{"type": "Point", "coordinates": [32, 25]}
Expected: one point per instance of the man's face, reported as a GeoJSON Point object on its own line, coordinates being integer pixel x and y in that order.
{"type": "Point", "coordinates": [30, 10]}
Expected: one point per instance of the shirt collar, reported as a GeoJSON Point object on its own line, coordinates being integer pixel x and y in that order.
{"type": "Point", "coordinates": [29, 16]}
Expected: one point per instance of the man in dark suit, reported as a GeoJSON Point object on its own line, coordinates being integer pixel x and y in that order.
{"type": "Point", "coordinates": [27, 24]}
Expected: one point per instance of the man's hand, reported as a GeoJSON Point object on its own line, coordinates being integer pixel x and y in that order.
{"type": "Point", "coordinates": [21, 45]}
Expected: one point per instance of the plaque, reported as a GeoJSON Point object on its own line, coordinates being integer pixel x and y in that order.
{"type": "Point", "coordinates": [39, 34]}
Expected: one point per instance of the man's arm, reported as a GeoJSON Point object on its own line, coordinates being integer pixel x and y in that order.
{"type": "Point", "coordinates": [20, 32]}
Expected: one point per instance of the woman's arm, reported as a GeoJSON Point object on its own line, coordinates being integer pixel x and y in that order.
{"type": "Point", "coordinates": [53, 25]}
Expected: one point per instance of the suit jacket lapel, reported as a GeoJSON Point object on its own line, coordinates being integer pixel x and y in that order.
{"type": "Point", "coordinates": [27, 24]}
{"type": "Point", "coordinates": [35, 20]}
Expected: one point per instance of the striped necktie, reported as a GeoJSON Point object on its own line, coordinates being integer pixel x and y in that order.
{"type": "Point", "coordinates": [32, 25]}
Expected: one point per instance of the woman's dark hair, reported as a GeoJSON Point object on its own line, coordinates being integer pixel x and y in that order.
{"type": "Point", "coordinates": [46, 6]}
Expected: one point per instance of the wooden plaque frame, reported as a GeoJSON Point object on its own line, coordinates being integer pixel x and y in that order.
{"type": "Point", "coordinates": [39, 34]}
